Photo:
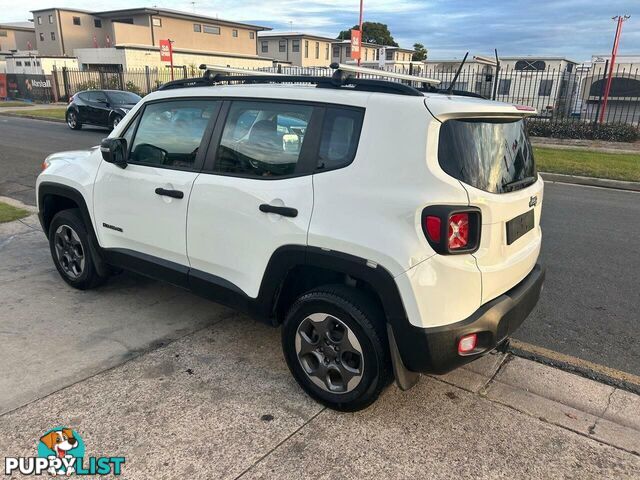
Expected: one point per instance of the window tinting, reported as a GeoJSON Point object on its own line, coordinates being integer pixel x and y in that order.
{"type": "Point", "coordinates": [96, 96]}
{"type": "Point", "coordinates": [489, 155]}
{"type": "Point", "coordinates": [262, 139]}
{"type": "Point", "coordinates": [340, 135]}
{"type": "Point", "coordinates": [170, 133]}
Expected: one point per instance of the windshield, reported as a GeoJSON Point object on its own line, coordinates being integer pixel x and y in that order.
{"type": "Point", "coordinates": [492, 155]}
{"type": "Point", "coordinates": [123, 97]}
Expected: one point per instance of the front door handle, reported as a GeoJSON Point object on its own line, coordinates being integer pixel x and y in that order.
{"type": "Point", "coordinates": [169, 193]}
{"type": "Point", "coordinates": [284, 211]}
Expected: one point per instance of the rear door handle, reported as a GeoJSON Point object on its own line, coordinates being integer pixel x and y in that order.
{"type": "Point", "coordinates": [169, 193]}
{"type": "Point", "coordinates": [284, 211]}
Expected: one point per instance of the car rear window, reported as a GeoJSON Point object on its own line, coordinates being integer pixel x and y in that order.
{"type": "Point", "coordinates": [492, 155]}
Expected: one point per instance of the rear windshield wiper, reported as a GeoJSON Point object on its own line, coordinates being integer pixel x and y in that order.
{"type": "Point", "coordinates": [525, 182]}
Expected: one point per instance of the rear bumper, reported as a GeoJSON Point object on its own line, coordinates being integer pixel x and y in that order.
{"type": "Point", "coordinates": [434, 350]}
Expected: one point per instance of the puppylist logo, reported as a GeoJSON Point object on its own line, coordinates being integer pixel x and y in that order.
{"type": "Point", "coordinates": [61, 452]}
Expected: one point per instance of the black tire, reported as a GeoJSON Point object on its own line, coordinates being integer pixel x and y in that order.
{"type": "Point", "coordinates": [72, 257]}
{"type": "Point", "coordinates": [72, 120]}
{"type": "Point", "coordinates": [364, 318]}
{"type": "Point", "coordinates": [115, 120]}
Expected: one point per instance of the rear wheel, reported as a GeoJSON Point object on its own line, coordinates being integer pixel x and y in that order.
{"type": "Point", "coordinates": [72, 120]}
{"type": "Point", "coordinates": [335, 345]}
{"type": "Point", "coordinates": [69, 244]}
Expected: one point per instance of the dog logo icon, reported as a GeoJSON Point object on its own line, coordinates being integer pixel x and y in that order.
{"type": "Point", "coordinates": [64, 444]}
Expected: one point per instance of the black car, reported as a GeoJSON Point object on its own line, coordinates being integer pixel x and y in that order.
{"type": "Point", "coordinates": [104, 108]}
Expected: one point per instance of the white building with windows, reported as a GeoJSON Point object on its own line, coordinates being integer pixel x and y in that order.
{"type": "Point", "coordinates": [295, 48]}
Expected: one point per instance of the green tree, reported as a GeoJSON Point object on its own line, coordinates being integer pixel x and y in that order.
{"type": "Point", "coordinates": [372, 32]}
{"type": "Point", "coordinates": [420, 53]}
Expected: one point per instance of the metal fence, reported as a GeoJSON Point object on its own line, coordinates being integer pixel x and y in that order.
{"type": "Point", "coordinates": [574, 94]}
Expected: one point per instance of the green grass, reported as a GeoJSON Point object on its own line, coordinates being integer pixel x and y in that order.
{"type": "Point", "coordinates": [9, 213]}
{"type": "Point", "coordinates": [15, 104]}
{"type": "Point", "coordinates": [44, 113]}
{"type": "Point", "coordinates": [588, 163]}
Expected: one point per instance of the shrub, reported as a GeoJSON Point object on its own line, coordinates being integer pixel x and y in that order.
{"type": "Point", "coordinates": [613, 132]}
{"type": "Point", "coordinates": [133, 88]}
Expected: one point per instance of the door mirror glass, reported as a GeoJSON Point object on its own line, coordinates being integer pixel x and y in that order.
{"type": "Point", "coordinates": [151, 154]}
{"type": "Point", "coordinates": [114, 150]}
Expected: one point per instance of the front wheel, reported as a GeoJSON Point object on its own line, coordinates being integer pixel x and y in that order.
{"type": "Point", "coordinates": [335, 345]}
{"type": "Point", "coordinates": [69, 244]}
{"type": "Point", "coordinates": [72, 120]}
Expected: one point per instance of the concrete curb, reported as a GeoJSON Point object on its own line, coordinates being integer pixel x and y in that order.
{"type": "Point", "coordinates": [584, 148]}
{"type": "Point", "coordinates": [591, 181]}
{"type": "Point", "coordinates": [32, 117]}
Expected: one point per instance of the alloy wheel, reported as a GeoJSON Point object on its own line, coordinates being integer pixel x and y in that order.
{"type": "Point", "coordinates": [329, 353]}
{"type": "Point", "coordinates": [69, 251]}
{"type": "Point", "coordinates": [72, 121]}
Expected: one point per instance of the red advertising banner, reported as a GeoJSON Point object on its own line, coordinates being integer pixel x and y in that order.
{"type": "Point", "coordinates": [356, 40]}
{"type": "Point", "coordinates": [3, 85]}
{"type": "Point", "coordinates": [166, 52]}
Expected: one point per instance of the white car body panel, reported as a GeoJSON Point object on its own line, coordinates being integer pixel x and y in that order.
{"type": "Point", "coordinates": [229, 237]}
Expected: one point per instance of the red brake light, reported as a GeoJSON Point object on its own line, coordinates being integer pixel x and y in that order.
{"type": "Point", "coordinates": [433, 228]}
{"type": "Point", "coordinates": [467, 344]}
{"type": "Point", "coordinates": [458, 235]}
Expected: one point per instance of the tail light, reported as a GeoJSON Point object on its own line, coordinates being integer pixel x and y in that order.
{"type": "Point", "coordinates": [452, 229]}
{"type": "Point", "coordinates": [467, 344]}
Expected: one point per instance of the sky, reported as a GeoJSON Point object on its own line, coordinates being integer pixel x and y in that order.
{"type": "Point", "coordinates": [575, 29]}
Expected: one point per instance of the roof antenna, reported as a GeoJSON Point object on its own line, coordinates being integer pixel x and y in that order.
{"type": "Point", "coordinates": [450, 89]}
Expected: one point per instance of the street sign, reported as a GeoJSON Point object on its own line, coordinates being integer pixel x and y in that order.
{"type": "Point", "coordinates": [382, 57]}
{"type": "Point", "coordinates": [166, 52]}
{"type": "Point", "coordinates": [356, 42]}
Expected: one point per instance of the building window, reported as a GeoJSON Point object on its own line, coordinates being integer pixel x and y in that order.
{"type": "Point", "coordinates": [252, 35]}
{"type": "Point", "coordinates": [366, 54]}
{"type": "Point", "coordinates": [76, 20]}
{"type": "Point", "coordinates": [41, 37]}
{"type": "Point", "coordinates": [211, 29]}
{"type": "Point", "coordinates": [347, 51]}
{"type": "Point", "coordinates": [336, 51]}
{"type": "Point", "coordinates": [3, 33]}
{"type": "Point", "coordinates": [326, 52]}
{"type": "Point", "coordinates": [157, 22]}
{"type": "Point", "coordinates": [18, 63]}
{"type": "Point", "coordinates": [544, 90]}
{"type": "Point", "coordinates": [39, 20]}
{"type": "Point", "coordinates": [389, 55]}
{"type": "Point", "coordinates": [530, 65]}
{"type": "Point", "coordinates": [317, 49]}
{"type": "Point", "coordinates": [265, 46]}
{"type": "Point", "coordinates": [50, 19]}
{"type": "Point", "coordinates": [295, 46]}
{"type": "Point", "coordinates": [504, 87]}
{"type": "Point", "coordinates": [306, 49]}
{"type": "Point", "coordinates": [53, 36]}
{"type": "Point", "coordinates": [27, 64]}
{"type": "Point", "coordinates": [97, 23]}
{"type": "Point", "coordinates": [197, 27]}
{"type": "Point", "coordinates": [234, 33]}
{"type": "Point", "coordinates": [282, 46]}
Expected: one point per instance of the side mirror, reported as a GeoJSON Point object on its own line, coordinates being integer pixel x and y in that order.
{"type": "Point", "coordinates": [114, 150]}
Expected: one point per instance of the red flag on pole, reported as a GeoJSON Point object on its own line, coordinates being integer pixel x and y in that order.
{"type": "Point", "coordinates": [356, 42]}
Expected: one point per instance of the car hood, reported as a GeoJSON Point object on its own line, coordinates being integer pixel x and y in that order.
{"type": "Point", "coordinates": [127, 106]}
{"type": "Point", "coordinates": [72, 155]}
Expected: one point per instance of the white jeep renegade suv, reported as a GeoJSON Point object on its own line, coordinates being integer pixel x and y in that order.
{"type": "Point", "coordinates": [391, 230]}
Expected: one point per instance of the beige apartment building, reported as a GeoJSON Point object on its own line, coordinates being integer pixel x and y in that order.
{"type": "Point", "coordinates": [370, 54]}
{"type": "Point", "coordinates": [130, 37]}
{"type": "Point", "coordinates": [296, 48]}
{"type": "Point", "coordinates": [16, 37]}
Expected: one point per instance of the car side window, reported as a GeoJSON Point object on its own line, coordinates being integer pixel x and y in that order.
{"type": "Point", "coordinates": [169, 133]}
{"type": "Point", "coordinates": [262, 139]}
{"type": "Point", "coordinates": [340, 136]}
{"type": "Point", "coordinates": [97, 97]}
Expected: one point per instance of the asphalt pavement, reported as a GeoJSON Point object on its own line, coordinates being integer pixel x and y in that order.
{"type": "Point", "coordinates": [589, 307]}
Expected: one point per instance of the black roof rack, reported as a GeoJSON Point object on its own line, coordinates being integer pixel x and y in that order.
{"type": "Point", "coordinates": [343, 76]}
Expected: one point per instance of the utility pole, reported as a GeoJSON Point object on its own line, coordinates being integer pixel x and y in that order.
{"type": "Point", "coordinates": [614, 51]}
{"type": "Point", "coordinates": [360, 28]}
